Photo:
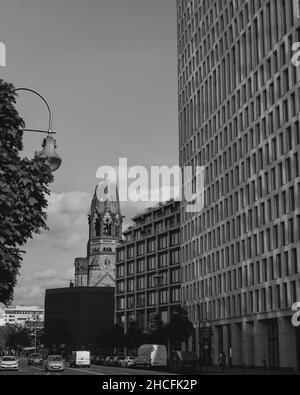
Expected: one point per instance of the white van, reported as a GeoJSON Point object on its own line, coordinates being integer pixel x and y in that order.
{"type": "Point", "coordinates": [80, 359]}
{"type": "Point", "coordinates": [152, 355]}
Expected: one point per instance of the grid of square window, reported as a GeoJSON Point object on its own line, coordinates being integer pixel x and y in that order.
{"type": "Point", "coordinates": [150, 248]}
{"type": "Point", "coordinates": [239, 104]}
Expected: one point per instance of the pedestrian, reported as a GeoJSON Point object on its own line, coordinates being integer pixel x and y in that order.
{"type": "Point", "coordinates": [223, 362]}
{"type": "Point", "coordinates": [265, 363]}
{"type": "Point", "coordinates": [244, 368]}
{"type": "Point", "coordinates": [220, 361]}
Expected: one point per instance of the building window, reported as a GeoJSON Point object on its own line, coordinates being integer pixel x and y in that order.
{"type": "Point", "coordinates": [151, 263]}
{"type": "Point", "coordinates": [141, 267]}
{"type": "Point", "coordinates": [151, 299]}
{"type": "Point", "coordinates": [163, 260]}
{"type": "Point", "coordinates": [140, 283]}
{"type": "Point", "coordinates": [120, 271]}
{"type": "Point", "coordinates": [176, 295]}
{"type": "Point", "coordinates": [140, 301]}
{"type": "Point", "coordinates": [120, 303]}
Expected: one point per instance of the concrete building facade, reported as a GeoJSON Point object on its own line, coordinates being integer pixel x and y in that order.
{"type": "Point", "coordinates": [23, 315]}
{"type": "Point", "coordinates": [239, 96]}
{"type": "Point", "coordinates": [150, 247]}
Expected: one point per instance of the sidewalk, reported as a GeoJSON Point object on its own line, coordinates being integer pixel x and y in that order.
{"type": "Point", "coordinates": [246, 372]}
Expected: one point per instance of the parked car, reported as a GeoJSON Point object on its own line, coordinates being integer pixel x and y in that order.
{"type": "Point", "coordinates": [128, 362]}
{"type": "Point", "coordinates": [54, 363]}
{"type": "Point", "coordinates": [9, 363]}
{"type": "Point", "coordinates": [107, 361]}
{"type": "Point", "coordinates": [99, 360]}
{"type": "Point", "coordinates": [80, 359]}
{"type": "Point", "coordinates": [35, 359]}
{"type": "Point", "coordinates": [116, 361]}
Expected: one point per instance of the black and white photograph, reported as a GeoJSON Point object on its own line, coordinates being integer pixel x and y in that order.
{"type": "Point", "coordinates": [149, 190]}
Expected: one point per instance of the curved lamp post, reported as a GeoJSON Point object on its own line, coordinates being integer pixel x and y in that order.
{"type": "Point", "coordinates": [157, 283]}
{"type": "Point", "coordinates": [49, 143]}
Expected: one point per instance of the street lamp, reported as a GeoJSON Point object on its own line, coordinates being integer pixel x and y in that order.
{"type": "Point", "coordinates": [157, 283]}
{"type": "Point", "coordinates": [49, 143]}
{"type": "Point", "coordinates": [36, 319]}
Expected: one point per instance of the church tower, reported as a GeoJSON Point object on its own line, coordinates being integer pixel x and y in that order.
{"type": "Point", "coordinates": [81, 272]}
{"type": "Point", "coordinates": [105, 234]}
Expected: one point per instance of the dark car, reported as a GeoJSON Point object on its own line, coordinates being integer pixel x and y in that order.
{"type": "Point", "coordinates": [116, 361]}
{"type": "Point", "coordinates": [35, 359]}
{"type": "Point", "coordinates": [99, 360]}
{"type": "Point", "coordinates": [107, 361]}
{"type": "Point", "coordinates": [128, 362]}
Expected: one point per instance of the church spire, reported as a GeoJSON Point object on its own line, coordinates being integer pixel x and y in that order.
{"type": "Point", "coordinates": [105, 219]}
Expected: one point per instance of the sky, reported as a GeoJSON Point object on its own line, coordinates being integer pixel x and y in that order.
{"type": "Point", "coordinates": [108, 69]}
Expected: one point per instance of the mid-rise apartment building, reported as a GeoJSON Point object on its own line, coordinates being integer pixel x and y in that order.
{"type": "Point", "coordinates": [239, 96]}
{"type": "Point", "coordinates": [151, 248]}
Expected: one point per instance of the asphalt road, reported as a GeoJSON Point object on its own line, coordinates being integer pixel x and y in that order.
{"type": "Point", "coordinates": [25, 370]}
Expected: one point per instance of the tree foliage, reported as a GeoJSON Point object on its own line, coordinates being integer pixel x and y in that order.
{"type": "Point", "coordinates": [57, 332]}
{"type": "Point", "coordinates": [117, 336]}
{"type": "Point", "coordinates": [4, 333]}
{"type": "Point", "coordinates": [111, 338]}
{"type": "Point", "coordinates": [180, 328]}
{"type": "Point", "coordinates": [134, 336]}
{"type": "Point", "coordinates": [18, 337]}
{"type": "Point", "coordinates": [155, 332]}
{"type": "Point", "coordinates": [23, 193]}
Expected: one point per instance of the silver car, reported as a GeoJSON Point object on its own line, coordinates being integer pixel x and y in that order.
{"type": "Point", "coordinates": [54, 363]}
{"type": "Point", "coordinates": [9, 363]}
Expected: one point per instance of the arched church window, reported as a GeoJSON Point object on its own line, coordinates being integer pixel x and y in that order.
{"type": "Point", "coordinates": [107, 224]}
{"type": "Point", "coordinates": [97, 228]}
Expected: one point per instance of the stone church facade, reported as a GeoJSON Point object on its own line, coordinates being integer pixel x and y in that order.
{"type": "Point", "coordinates": [105, 234]}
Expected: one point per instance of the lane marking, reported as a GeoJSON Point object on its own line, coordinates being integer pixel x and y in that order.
{"type": "Point", "coordinates": [85, 371]}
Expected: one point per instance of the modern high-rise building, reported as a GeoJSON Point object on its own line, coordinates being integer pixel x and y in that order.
{"type": "Point", "coordinates": [239, 97]}
{"type": "Point", "coordinates": [148, 265]}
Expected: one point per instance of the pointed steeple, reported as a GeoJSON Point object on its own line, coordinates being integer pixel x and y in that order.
{"type": "Point", "coordinates": [105, 219]}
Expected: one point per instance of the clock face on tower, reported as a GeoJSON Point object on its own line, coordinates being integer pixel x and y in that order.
{"type": "Point", "coordinates": [107, 264]}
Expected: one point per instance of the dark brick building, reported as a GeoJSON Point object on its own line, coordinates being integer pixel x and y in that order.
{"type": "Point", "coordinates": [76, 317]}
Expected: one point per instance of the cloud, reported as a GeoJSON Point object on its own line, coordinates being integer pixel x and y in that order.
{"type": "Point", "coordinates": [49, 258]}
{"type": "Point", "coordinates": [67, 221]}
{"type": "Point", "coordinates": [69, 203]}
{"type": "Point", "coordinates": [46, 275]}
{"type": "Point", "coordinates": [31, 290]}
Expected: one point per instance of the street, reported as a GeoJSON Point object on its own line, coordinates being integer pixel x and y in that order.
{"type": "Point", "coordinates": [24, 370]}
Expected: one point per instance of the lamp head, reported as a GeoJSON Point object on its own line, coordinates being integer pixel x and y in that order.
{"type": "Point", "coordinates": [49, 152]}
